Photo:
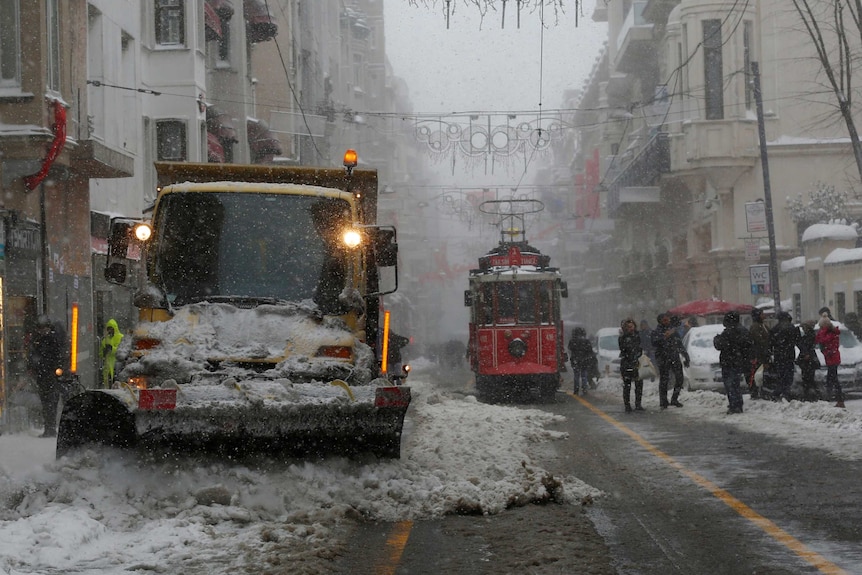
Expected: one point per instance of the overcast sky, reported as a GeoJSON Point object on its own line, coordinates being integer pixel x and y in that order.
{"type": "Point", "coordinates": [478, 65]}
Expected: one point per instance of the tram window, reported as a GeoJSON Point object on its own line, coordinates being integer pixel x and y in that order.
{"type": "Point", "coordinates": [486, 306]}
{"type": "Point", "coordinates": [545, 302]}
{"type": "Point", "coordinates": [526, 303]}
{"type": "Point", "coordinates": [506, 303]}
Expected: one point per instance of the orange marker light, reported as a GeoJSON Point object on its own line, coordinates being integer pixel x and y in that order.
{"type": "Point", "coordinates": [350, 159]}
{"type": "Point", "coordinates": [74, 355]}
{"type": "Point", "coordinates": [384, 366]}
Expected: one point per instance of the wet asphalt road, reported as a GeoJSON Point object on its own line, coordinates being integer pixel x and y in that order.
{"type": "Point", "coordinates": [682, 496]}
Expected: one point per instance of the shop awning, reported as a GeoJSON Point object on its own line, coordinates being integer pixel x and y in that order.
{"type": "Point", "coordinates": [215, 151]}
{"type": "Point", "coordinates": [220, 124]}
{"type": "Point", "coordinates": [259, 26]}
{"type": "Point", "coordinates": [223, 8]}
{"type": "Point", "coordinates": [212, 23]}
{"type": "Point", "coordinates": [262, 142]}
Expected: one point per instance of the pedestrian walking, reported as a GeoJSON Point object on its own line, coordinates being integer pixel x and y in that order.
{"type": "Point", "coordinates": [808, 361]}
{"type": "Point", "coordinates": [46, 354]}
{"type": "Point", "coordinates": [735, 346]}
{"type": "Point", "coordinates": [761, 355]}
{"type": "Point", "coordinates": [828, 339]}
{"type": "Point", "coordinates": [668, 349]}
{"type": "Point", "coordinates": [783, 339]}
{"type": "Point", "coordinates": [630, 352]}
{"type": "Point", "coordinates": [581, 357]}
{"type": "Point", "coordinates": [108, 351]}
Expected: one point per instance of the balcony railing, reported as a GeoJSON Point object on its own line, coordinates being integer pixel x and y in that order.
{"type": "Point", "coordinates": [643, 171]}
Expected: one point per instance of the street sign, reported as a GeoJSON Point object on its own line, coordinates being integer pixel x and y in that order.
{"type": "Point", "coordinates": [755, 217]}
{"type": "Point", "coordinates": [752, 250]}
{"type": "Point", "coordinates": [760, 284]}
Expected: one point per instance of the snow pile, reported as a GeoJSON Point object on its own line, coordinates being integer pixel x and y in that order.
{"type": "Point", "coordinates": [202, 335]}
{"type": "Point", "coordinates": [843, 255]}
{"type": "Point", "coordinates": [829, 232]}
{"type": "Point", "coordinates": [108, 511]}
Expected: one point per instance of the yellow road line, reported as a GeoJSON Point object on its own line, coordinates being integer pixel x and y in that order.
{"type": "Point", "coordinates": [394, 548]}
{"type": "Point", "coordinates": [818, 561]}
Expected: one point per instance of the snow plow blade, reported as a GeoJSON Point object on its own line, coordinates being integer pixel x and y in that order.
{"type": "Point", "coordinates": [371, 422]}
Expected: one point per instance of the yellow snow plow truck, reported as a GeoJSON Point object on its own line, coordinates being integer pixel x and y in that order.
{"type": "Point", "coordinates": [259, 311]}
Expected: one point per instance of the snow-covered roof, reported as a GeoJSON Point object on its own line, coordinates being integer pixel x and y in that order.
{"type": "Point", "coordinates": [796, 263]}
{"type": "Point", "coordinates": [843, 255]}
{"type": "Point", "coordinates": [829, 232]}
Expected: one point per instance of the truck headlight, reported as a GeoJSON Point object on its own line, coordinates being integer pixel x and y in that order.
{"type": "Point", "coordinates": [351, 238]}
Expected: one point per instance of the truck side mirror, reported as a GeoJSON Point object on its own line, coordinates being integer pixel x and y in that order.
{"type": "Point", "coordinates": [118, 246]}
{"type": "Point", "coordinates": [468, 298]}
{"type": "Point", "coordinates": [385, 247]}
{"type": "Point", "coordinates": [564, 289]}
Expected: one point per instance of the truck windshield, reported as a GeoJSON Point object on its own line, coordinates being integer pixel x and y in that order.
{"type": "Point", "coordinates": [250, 246]}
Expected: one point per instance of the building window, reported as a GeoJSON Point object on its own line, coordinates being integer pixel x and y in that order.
{"type": "Point", "coordinates": [840, 306]}
{"type": "Point", "coordinates": [224, 43]}
{"type": "Point", "coordinates": [171, 141]}
{"type": "Point", "coordinates": [358, 71]}
{"type": "Point", "coordinates": [857, 296]}
{"type": "Point", "coordinates": [10, 45]}
{"type": "Point", "coordinates": [53, 27]}
{"type": "Point", "coordinates": [747, 51]}
{"type": "Point", "coordinates": [683, 61]}
{"type": "Point", "coordinates": [712, 66]}
{"type": "Point", "coordinates": [170, 22]}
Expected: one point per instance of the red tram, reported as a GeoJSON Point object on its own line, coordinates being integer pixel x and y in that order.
{"type": "Point", "coordinates": [516, 347]}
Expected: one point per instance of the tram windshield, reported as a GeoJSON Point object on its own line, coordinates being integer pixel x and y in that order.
{"type": "Point", "coordinates": [516, 303]}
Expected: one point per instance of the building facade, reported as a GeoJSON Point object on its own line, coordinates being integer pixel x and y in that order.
{"type": "Point", "coordinates": [679, 150]}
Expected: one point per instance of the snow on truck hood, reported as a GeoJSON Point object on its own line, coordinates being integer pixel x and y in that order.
{"type": "Point", "coordinates": [288, 334]}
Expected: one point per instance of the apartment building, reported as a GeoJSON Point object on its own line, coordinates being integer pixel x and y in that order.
{"type": "Point", "coordinates": [48, 156]}
{"type": "Point", "coordinates": [679, 151]}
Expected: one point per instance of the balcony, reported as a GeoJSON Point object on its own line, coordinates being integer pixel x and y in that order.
{"type": "Point", "coordinates": [635, 44]}
{"type": "Point", "coordinates": [634, 184]}
{"type": "Point", "coordinates": [720, 150]}
{"type": "Point", "coordinates": [93, 159]}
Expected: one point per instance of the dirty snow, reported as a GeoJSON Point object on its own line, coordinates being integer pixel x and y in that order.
{"type": "Point", "coordinates": [104, 511]}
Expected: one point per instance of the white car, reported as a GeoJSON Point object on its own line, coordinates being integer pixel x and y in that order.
{"type": "Point", "coordinates": [608, 350]}
{"type": "Point", "coordinates": [704, 371]}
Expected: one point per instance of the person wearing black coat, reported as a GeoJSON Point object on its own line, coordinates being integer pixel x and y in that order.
{"type": "Point", "coordinates": [783, 339]}
{"type": "Point", "coordinates": [668, 349]}
{"type": "Point", "coordinates": [736, 347]}
{"type": "Point", "coordinates": [581, 358]}
{"type": "Point", "coordinates": [46, 353]}
{"type": "Point", "coordinates": [808, 361]}
{"type": "Point", "coordinates": [630, 352]}
{"type": "Point", "coordinates": [762, 354]}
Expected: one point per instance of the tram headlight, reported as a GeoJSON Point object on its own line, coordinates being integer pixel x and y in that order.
{"type": "Point", "coordinates": [517, 348]}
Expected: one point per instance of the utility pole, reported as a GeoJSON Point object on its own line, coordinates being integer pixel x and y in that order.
{"type": "Point", "coordinates": [767, 192]}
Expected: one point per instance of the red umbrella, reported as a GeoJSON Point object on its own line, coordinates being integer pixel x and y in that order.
{"type": "Point", "coordinates": [709, 307]}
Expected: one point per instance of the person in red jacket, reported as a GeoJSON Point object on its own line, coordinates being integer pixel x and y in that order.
{"type": "Point", "coordinates": [827, 337]}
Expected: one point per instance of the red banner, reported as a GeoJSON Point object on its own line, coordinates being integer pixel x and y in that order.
{"type": "Point", "coordinates": [59, 129]}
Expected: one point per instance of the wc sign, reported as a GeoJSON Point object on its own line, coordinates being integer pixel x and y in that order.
{"type": "Point", "coordinates": [760, 283]}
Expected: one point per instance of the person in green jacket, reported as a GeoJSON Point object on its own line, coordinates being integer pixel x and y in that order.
{"type": "Point", "coordinates": [108, 351]}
